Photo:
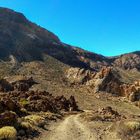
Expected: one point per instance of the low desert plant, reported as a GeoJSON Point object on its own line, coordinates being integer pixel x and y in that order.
{"type": "Point", "coordinates": [23, 102]}
{"type": "Point", "coordinates": [126, 130]}
{"type": "Point", "coordinates": [91, 116]}
{"type": "Point", "coordinates": [50, 115]}
{"type": "Point", "coordinates": [133, 125]}
{"type": "Point", "coordinates": [8, 133]}
{"type": "Point", "coordinates": [27, 125]}
{"type": "Point", "coordinates": [35, 120]}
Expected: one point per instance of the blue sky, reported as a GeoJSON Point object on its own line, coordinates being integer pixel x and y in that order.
{"type": "Point", "coordinates": [108, 27]}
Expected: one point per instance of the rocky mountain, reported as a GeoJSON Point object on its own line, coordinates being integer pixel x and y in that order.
{"type": "Point", "coordinates": [38, 72]}
{"type": "Point", "coordinates": [41, 54]}
{"type": "Point", "coordinates": [25, 41]}
{"type": "Point", "coordinates": [21, 38]}
{"type": "Point", "coordinates": [128, 61]}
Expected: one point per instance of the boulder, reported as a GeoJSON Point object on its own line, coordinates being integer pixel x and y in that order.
{"type": "Point", "coordinates": [6, 104]}
{"type": "Point", "coordinates": [8, 118]}
{"type": "Point", "coordinates": [20, 83]}
{"type": "Point", "coordinates": [131, 91]}
{"type": "Point", "coordinates": [73, 104]}
{"type": "Point", "coordinates": [110, 81]}
{"type": "Point", "coordinates": [108, 114]}
{"type": "Point", "coordinates": [23, 84]}
{"type": "Point", "coordinates": [106, 80]}
{"type": "Point", "coordinates": [5, 86]}
{"type": "Point", "coordinates": [2, 106]}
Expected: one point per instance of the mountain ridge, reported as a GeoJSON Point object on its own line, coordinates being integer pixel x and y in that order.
{"type": "Point", "coordinates": [27, 42]}
{"type": "Point", "coordinates": [42, 77]}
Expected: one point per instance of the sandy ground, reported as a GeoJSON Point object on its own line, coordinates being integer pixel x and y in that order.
{"type": "Point", "coordinates": [71, 128]}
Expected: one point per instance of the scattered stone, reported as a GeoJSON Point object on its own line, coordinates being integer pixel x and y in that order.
{"type": "Point", "coordinates": [8, 118]}
{"type": "Point", "coordinates": [106, 114]}
{"type": "Point", "coordinates": [5, 86]}
{"type": "Point", "coordinates": [19, 83]}
{"type": "Point", "coordinates": [18, 102]}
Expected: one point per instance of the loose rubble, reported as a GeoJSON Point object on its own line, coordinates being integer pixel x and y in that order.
{"type": "Point", "coordinates": [106, 114]}
{"type": "Point", "coordinates": [17, 102]}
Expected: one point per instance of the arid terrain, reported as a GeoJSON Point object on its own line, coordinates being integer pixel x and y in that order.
{"type": "Point", "coordinates": [50, 90]}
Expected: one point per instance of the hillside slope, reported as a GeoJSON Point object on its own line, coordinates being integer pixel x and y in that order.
{"type": "Point", "coordinates": [128, 61]}
{"type": "Point", "coordinates": [26, 41]}
{"type": "Point", "coordinates": [106, 88]}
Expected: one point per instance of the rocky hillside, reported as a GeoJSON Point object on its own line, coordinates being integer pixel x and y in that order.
{"type": "Point", "coordinates": [128, 61]}
{"type": "Point", "coordinates": [27, 49]}
{"type": "Point", "coordinates": [40, 73]}
{"type": "Point", "coordinates": [26, 41]}
{"type": "Point", "coordinates": [23, 40]}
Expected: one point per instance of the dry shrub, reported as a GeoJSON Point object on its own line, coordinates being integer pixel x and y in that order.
{"type": "Point", "coordinates": [23, 102]}
{"type": "Point", "coordinates": [133, 125]}
{"type": "Point", "coordinates": [50, 116]}
{"type": "Point", "coordinates": [126, 130]}
{"type": "Point", "coordinates": [137, 135]}
{"type": "Point", "coordinates": [90, 116]}
{"type": "Point", "coordinates": [8, 133]}
{"type": "Point", "coordinates": [106, 114]}
{"type": "Point", "coordinates": [35, 120]}
{"type": "Point", "coordinates": [27, 130]}
{"type": "Point", "coordinates": [27, 125]}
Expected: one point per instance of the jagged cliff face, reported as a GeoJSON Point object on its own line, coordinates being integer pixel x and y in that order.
{"type": "Point", "coordinates": [25, 41]}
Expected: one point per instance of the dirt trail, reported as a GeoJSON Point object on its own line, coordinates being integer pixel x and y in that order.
{"type": "Point", "coordinates": [71, 128]}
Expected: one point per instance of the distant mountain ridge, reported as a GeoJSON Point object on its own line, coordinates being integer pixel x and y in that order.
{"type": "Point", "coordinates": [26, 41]}
{"type": "Point", "coordinates": [128, 61]}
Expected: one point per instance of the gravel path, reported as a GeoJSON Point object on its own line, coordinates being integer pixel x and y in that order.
{"type": "Point", "coordinates": [70, 128]}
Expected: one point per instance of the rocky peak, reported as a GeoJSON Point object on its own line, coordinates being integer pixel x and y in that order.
{"type": "Point", "coordinates": [12, 16]}
{"type": "Point", "coordinates": [21, 38]}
